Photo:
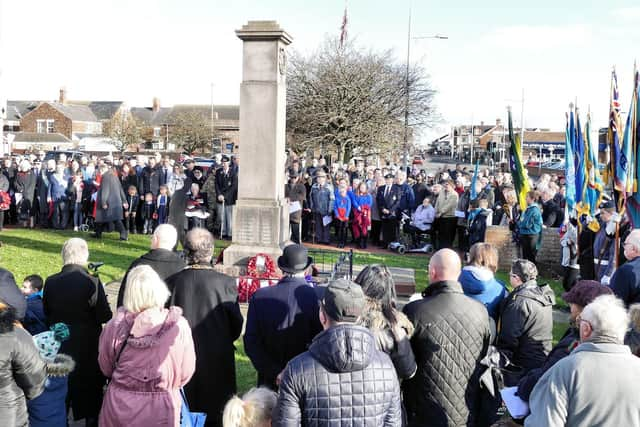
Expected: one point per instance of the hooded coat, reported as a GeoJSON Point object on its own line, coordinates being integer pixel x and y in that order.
{"type": "Point", "coordinates": [22, 370]}
{"type": "Point", "coordinates": [342, 380]}
{"type": "Point", "coordinates": [111, 195]}
{"type": "Point", "coordinates": [480, 284]}
{"type": "Point", "coordinates": [50, 409]}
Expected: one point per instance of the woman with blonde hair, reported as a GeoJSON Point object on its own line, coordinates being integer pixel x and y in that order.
{"type": "Point", "coordinates": [252, 410]}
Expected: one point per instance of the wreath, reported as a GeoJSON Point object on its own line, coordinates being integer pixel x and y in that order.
{"type": "Point", "coordinates": [260, 267]}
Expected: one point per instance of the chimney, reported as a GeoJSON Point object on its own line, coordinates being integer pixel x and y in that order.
{"type": "Point", "coordinates": [62, 99]}
{"type": "Point", "coordinates": [156, 105]}
{"type": "Point", "coordinates": [481, 123]}
{"type": "Point", "coordinates": [498, 121]}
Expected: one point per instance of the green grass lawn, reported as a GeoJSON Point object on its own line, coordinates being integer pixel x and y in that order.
{"type": "Point", "coordinates": [25, 252]}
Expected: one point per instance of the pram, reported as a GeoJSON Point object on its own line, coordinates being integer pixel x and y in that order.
{"type": "Point", "coordinates": [404, 243]}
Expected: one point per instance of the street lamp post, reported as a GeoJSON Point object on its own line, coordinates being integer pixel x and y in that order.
{"type": "Point", "coordinates": [406, 88]}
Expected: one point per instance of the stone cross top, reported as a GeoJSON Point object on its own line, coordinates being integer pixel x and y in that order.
{"type": "Point", "coordinates": [261, 217]}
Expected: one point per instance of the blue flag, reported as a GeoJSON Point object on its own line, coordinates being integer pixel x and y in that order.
{"type": "Point", "coordinates": [569, 167]}
{"type": "Point", "coordinates": [579, 153]}
{"type": "Point", "coordinates": [473, 193]}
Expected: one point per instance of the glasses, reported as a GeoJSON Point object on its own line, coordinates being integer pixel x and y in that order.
{"type": "Point", "coordinates": [579, 320]}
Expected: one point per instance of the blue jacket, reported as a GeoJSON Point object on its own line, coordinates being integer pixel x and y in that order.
{"type": "Point", "coordinates": [281, 322]}
{"type": "Point", "coordinates": [625, 282]}
{"type": "Point", "coordinates": [363, 200]}
{"type": "Point", "coordinates": [34, 319]}
{"type": "Point", "coordinates": [321, 199]}
{"type": "Point", "coordinates": [481, 285]}
{"type": "Point", "coordinates": [530, 220]}
{"type": "Point", "coordinates": [342, 203]}
{"type": "Point", "coordinates": [407, 198]}
{"type": "Point", "coordinates": [58, 189]}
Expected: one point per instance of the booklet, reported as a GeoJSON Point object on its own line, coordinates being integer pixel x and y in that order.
{"type": "Point", "coordinates": [326, 220]}
{"type": "Point", "coordinates": [517, 407]}
{"type": "Point", "coordinates": [294, 207]}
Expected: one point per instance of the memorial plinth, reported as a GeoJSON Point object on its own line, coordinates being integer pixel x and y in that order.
{"type": "Point", "coordinates": [261, 217]}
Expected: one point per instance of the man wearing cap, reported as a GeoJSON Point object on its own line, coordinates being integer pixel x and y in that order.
{"type": "Point", "coordinates": [451, 336]}
{"type": "Point", "coordinates": [282, 319]}
{"type": "Point", "coordinates": [580, 295]}
{"type": "Point", "coordinates": [227, 192]}
{"type": "Point", "coordinates": [295, 192]}
{"type": "Point", "coordinates": [604, 248]}
{"type": "Point", "coordinates": [388, 200]}
{"type": "Point", "coordinates": [526, 322]}
{"type": "Point", "coordinates": [343, 379]}
{"type": "Point", "coordinates": [321, 199]}
{"type": "Point", "coordinates": [625, 282]}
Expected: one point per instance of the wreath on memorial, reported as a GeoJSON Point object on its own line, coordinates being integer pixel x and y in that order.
{"type": "Point", "coordinates": [261, 267]}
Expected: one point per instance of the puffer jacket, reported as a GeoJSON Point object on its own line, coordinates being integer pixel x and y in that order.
{"type": "Point", "coordinates": [50, 409]}
{"type": "Point", "coordinates": [451, 337]}
{"type": "Point", "coordinates": [525, 328]}
{"type": "Point", "coordinates": [393, 340]}
{"type": "Point", "coordinates": [343, 380]}
{"type": "Point", "coordinates": [22, 370]}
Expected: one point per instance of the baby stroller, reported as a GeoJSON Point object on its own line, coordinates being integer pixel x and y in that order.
{"type": "Point", "coordinates": [405, 245]}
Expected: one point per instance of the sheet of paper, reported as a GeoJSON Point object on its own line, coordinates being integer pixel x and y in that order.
{"type": "Point", "coordinates": [294, 207]}
{"type": "Point", "coordinates": [326, 220]}
{"type": "Point", "coordinates": [459, 214]}
{"type": "Point", "coordinates": [517, 407]}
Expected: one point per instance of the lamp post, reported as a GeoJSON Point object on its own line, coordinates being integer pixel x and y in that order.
{"type": "Point", "coordinates": [406, 88]}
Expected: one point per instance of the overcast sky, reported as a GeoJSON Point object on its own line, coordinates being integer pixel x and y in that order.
{"type": "Point", "coordinates": [133, 50]}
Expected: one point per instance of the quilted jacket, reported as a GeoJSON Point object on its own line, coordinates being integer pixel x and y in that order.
{"type": "Point", "coordinates": [343, 380]}
{"type": "Point", "coordinates": [451, 336]}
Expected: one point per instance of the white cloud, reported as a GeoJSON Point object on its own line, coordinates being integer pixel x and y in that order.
{"type": "Point", "coordinates": [631, 13]}
{"type": "Point", "coordinates": [538, 37]}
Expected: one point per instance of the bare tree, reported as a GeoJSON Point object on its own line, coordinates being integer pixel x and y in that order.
{"type": "Point", "coordinates": [124, 130]}
{"type": "Point", "coordinates": [191, 130]}
{"type": "Point", "coordinates": [353, 100]}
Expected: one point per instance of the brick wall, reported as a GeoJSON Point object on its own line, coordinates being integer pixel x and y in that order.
{"type": "Point", "coordinates": [549, 255]}
{"type": "Point", "coordinates": [62, 124]}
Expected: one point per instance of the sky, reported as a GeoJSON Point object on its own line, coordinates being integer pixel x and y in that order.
{"type": "Point", "coordinates": [133, 50]}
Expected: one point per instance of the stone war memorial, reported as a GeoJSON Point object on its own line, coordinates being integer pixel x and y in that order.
{"type": "Point", "coordinates": [261, 214]}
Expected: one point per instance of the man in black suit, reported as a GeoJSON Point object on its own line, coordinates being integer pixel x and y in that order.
{"type": "Point", "coordinates": [388, 199]}
{"type": "Point", "coordinates": [227, 191]}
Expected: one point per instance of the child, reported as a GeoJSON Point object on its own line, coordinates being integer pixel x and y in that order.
{"type": "Point", "coordinates": [133, 200]}
{"type": "Point", "coordinates": [361, 202]}
{"type": "Point", "coordinates": [162, 205]}
{"type": "Point", "coordinates": [50, 409]}
{"type": "Point", "coordinates": [479, 217]}
{"type": "Point", "coordinates": [569, 243]}
{"type": "Point", "coordinates": [77, 190]}
{"type": "Point", "coordinates": [148, 212]}
{"type": "Point", "coordinates": [253, 410]}
{"type": "Point", "coordinates": [341, 211]}
{"type": "Point", "coordinates": [34, 318]}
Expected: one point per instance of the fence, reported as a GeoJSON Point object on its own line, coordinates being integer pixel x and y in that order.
{"type": "Point", "coordinates": [331, 264]}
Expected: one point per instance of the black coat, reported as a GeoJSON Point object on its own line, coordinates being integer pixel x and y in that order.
{"type": "Point", "coordinates": [10, 293]}
{"type": "Point", "coordinates": [77, 298]}
{"type": "Point", "coordinates": [451, 337]}
{"type": "Point", "coordinates": [551, 214]}
{"type": "Point", "coordinates": [343, 380]}
{"type": "Point", "coordinates": [22, 371]}
{"type": "Point", "coordinates": [176, 212]}
{"type": "Point", "coordinates": [281, 322]}
{"type": "Point", "coordinates": [296, 193]}
{"type": "Point", "coordinates": [111, 195]}
{"type": "Point", "coordinates": [26, 184]}
{"type": "Point", "coordinates": [150, 180]}
{"type": "Point", "coordinates": [42, 189]}
{"type": "Point", "coordinates": [163, 261]}
{"type": "Point", "coordinates": [625, 282]}
{"type": "Point", "coordinates": [227, 186]}
{"type": "Point", "coordinates": [391, 202]}
{"type": "Point", "coordinates": [525, 328]}
{"type": "Point", "coordinates": [209, 301]}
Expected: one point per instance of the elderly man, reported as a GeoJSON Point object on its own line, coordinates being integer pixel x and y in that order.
{"type": "Point", "coordinates": [625, 282]}
{"type": "Point", "coordinates": [604, 246]}
{"type": "Point", "coordinates": [77, 299]}
{"type": "Point", "coordinates": [445, 206]}
{"type": "Point", "coordinates": [282, 319]}
{"type": "Point", "coordinates": [161, 257]}
{"type": "Point", "coordinates": [452, 335]}
{"type": "Point", "coordinates": [598, 384]}
{"type": "Point", "coordinates": [227, 194]}
{"type": "Point", "coordinates": [343, 379]}
{"type": "Point", "coordinates": [209, 301]}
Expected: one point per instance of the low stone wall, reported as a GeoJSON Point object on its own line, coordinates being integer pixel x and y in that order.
{"type": "Point", "coordinates": [549, 255]}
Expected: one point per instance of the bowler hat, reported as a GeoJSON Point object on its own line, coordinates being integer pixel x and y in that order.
{"type": "Point", "coordinates": [294, 259]}
{"type": "Point", "coordinates": [224, 159]}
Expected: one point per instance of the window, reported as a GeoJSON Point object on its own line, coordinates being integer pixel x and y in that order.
{"type": "Point", "coordinates": [50, 126]}
{"type": "Point", "coordinates": [156, 132]}
{"type": "Point", "coordinates": [41, 126]}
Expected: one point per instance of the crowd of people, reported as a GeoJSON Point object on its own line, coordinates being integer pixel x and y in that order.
{"type": "Point", "coordinates": [131, 194]}
{"type": "Point", "coordinates": [342, 354]}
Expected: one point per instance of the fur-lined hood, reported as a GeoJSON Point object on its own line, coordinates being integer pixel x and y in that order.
{"type": "Point", "coordinates": [61, 366]}
{"type": "Point", "coordinates": [386, 335]}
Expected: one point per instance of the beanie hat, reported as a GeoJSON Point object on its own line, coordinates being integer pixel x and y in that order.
{"type": "Point", "coordinates": [49, 342]}
{"type": "Point", "coordinates": [584, 292]}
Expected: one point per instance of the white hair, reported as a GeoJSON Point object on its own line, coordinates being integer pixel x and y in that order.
{"type": "Point", "coordinates": [165, 236]}
{"type": "Point", "coordinates": [144, 289]}
{"type": "Point", "coordinates": [253, 409]}
{"type": "Point", "coordinates": [75, 251]}
{"type": "Point", "coordinates": [25, 166]}
{"type": "Point", "coordinates": [608, 318]}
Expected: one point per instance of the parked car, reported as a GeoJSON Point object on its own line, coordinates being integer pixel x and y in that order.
{"type": "Point", "coordinates": [71, 154]}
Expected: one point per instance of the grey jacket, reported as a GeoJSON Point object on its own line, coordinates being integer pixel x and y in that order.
{"type": "Point", "coordinates": [321, 199]}
{"type": "Point", "coordinates": [343, 380]}
{"type": "Point", "coordinates": [597, 385]}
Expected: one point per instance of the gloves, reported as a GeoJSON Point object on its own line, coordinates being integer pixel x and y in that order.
{"type": "Point", "coordinates": [605, 280]}
{"type": "Point", "coordinates": [611, 227]}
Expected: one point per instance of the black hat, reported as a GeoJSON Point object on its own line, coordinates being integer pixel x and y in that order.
{"type": "Point", "coordinates": [607, 204]}
{"type": "Point", "coordinates": [294, 259]}
{"type": "Point", "coordinates": [197, 169]}
{"type": "Point", "coordinates": [343, 301]}
{"type": "Point", "coordinates": [584, 292]}
{"type": "Point", "coordinates": [224, 159]}
{"type": "Point", "coordinates": [389, 175]}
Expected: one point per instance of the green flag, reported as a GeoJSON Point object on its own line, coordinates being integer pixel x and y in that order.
{"type": "Point", "coordinates": [520, 180]}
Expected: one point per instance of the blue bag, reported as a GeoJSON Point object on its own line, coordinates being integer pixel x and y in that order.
{"type": "Point", "coordinates": [188, 418]}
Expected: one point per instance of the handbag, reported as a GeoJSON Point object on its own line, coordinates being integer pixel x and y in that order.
{"type": "Point", "coordinates": [188, 418]}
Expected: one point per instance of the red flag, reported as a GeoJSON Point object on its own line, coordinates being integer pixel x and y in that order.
{"type": "Point", "coordinates": [343, 28]}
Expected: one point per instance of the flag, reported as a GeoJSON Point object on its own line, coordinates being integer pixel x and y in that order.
{"type": "Point", "coordinates": [624, 161]}
{"type": "Point", "coordinates": [520, 179]}
{"type": "Point", "coordinates": [595, 185]}
{"type": "Point", "coordinates": [633, 201]}
{"type": "Point", "coordinates": [570, 166]}
{"type": "Point", "coordinates": [580, 163]}
{"type": "Point", "coordinates": [473, 193]}
{"type": "Point", "coordinates": [343, 27]}
{"type": "Point", "coordinates": [613, 136]}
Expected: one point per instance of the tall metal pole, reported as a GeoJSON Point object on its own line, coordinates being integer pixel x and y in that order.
{"type": "Point", "coordinates": [3, 104]}
{"type": "Point", "coordinates": [212, 134]}
{"type": "Point", "coordinates": [406, 99]}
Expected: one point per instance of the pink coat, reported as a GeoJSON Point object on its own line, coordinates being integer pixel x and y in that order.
{"type": "Point", "coordinates": [158, 359]}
